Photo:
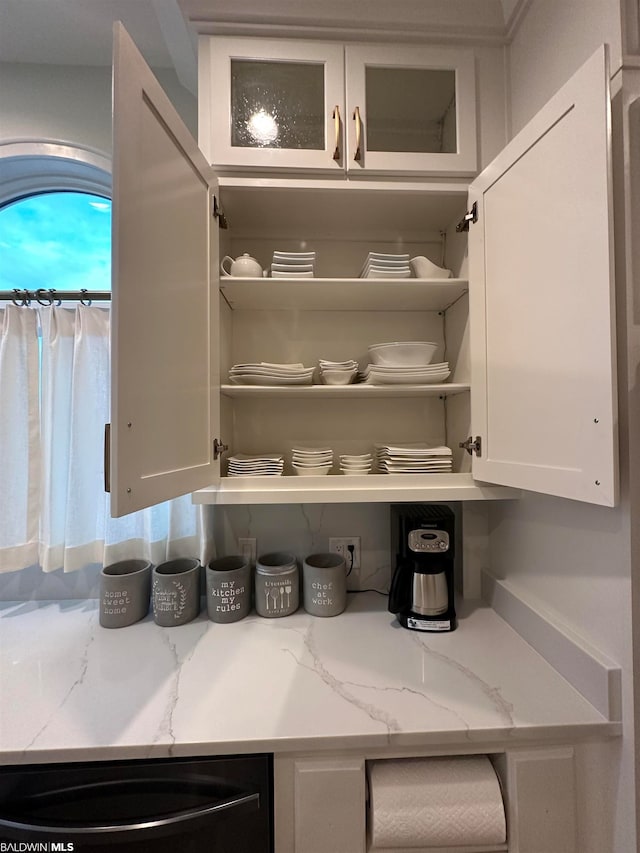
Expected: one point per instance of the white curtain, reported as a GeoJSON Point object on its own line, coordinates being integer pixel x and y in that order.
{"type": "Point", "coordinates": [54, 403]}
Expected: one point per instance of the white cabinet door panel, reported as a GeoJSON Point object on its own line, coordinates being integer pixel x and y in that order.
{"type": "Point", "coordinates": [542, 304]}
{"type": "Point", "coordinates": [165, 382]}
{"type": "Point", "coordinates": [269, 103]}
{"type": "Point", "coordinates": [417, 107]}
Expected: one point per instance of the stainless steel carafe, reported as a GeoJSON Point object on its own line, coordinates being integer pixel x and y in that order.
{"type": "Point", "coordinates": [430, 593]}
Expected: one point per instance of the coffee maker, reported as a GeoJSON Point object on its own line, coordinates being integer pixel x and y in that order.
{"type": "Point", "coordinates": [422, 551]}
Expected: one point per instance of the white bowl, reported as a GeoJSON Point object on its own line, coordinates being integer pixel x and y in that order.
{"type": "Point", "coordinates": [338, 377]}
{"type": "Point", "coordinates": [311, 471]}
{"type": "Point", "coordinates": [354, 472]}
{"type": "Point", "coordinates": [403, 353]}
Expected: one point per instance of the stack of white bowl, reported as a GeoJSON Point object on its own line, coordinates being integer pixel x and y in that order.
{"type": "Point", "coordinates": [338, 372]}
{"type": "Point", "coordinates": [293, 264]}
{"type": "Point", "coordinates": [355, 465]}
{"type": "Point", "coordinates": [383, 265]}
{"type": "Point", "coordinates": [311, 461]}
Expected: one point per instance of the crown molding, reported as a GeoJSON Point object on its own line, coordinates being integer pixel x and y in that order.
{"type": "Point", "coordinates": [352, 20]}
{"type": "Point", "coordinates": [516, 18]}
{"type": "Point", "coordinates": [353, 32]}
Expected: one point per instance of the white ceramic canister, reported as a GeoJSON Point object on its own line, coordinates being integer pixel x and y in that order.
{"type": "Point", "coordinates": [277, 585]}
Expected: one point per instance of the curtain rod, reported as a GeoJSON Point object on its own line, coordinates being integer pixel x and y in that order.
{"type": "Point", "coordinates": [50, 296]}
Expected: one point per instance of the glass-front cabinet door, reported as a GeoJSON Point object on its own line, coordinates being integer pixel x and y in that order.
{"type": "Point", "coordinates": [273, 103]}
{"type": "Point", "coordinates": [410, 109]}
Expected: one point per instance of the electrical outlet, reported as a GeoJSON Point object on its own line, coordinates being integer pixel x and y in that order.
{"type": "Point", "coordinates": [340, 545]}
{"type": "Point", "coordinates": [248, 549]}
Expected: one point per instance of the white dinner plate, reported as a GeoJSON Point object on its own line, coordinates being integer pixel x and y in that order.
{"type": "Point", "coordinates": [393, 368]}
{"type": "Point", "coordinates": [258, 379]}
{"type": "Point", "coordinates": [406, 379]}
{"type": "Point", "coordinates": [386, 256]}
{"type": "Point", "coordinates": [413, 448]}
{"type": "Point", "coordinates": [277, 365]}
{"type": "Point", "coordinates": [292, 267]}
{"type": "Point", "coordinates": [386, 274]}
{"type": "Point", "coordinates": [277, 274]}
{"type": "Point", "coordinates": [270, 371]}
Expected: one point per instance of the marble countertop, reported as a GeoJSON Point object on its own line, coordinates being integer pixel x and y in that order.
{"type": "Point", "coordinates": [71, 690]}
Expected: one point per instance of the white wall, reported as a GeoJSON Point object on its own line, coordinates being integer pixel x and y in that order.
{"type": "Point", "coordinates": [553, 39]}
{"type": "Point", "coordinates": [70, 103]}
{"type": "Point", "coordinates": [576, 559]}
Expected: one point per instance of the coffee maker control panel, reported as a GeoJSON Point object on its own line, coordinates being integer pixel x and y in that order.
{"type": "Point", "coordinates": [428, 541]}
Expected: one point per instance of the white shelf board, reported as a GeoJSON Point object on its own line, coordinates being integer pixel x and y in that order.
{"type": "Point", "coordinates": [272, 206]}
{"type": "Point", "coordinates": [361, 390]}
{"type": "Point", "coordinates": [342, 294]}
{"type": "Point", "coordinates": [337, 488]}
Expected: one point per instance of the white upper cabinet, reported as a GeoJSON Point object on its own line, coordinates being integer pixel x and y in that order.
{"type": "Point", "coordinates": [411, 110]}
{"type": "Point", "coordinates": [311, 105]}
{"type": "Point", "coordinates": [272, 103]}
{"type": "Point", "coordinates": [165, 382]}
{"type": "Point", "coordinates": [527, 330]}
{"type": "Point", "coordinates": [543, 394]}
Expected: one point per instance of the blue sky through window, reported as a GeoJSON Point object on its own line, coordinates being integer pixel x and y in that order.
{"type": "Point", "coordinates": [60, 240]}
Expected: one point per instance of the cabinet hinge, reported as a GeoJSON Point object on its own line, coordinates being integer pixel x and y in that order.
{"type": "Point", "coordinates": [472, 445]}
{"type": "Point", "coordinates": [218, 213]}
{"type": "Point", "coordinates": [470, 216]}
{"type": "Point", "coordinates": [218, 448]}
{"type": "Point", "coordinates": [107, 458]}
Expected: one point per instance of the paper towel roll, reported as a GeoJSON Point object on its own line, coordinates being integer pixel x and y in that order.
{"type": "Point", "coordinates": [435, 802]}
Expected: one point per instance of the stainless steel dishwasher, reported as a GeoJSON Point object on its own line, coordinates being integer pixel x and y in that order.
{"type": "Point", "coordinates": [221, 805]}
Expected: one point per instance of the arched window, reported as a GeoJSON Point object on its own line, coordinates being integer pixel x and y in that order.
{"type": "Point", "coordinates": [55, 213]}
{"type": "Point", "coordinates": [59, 240]}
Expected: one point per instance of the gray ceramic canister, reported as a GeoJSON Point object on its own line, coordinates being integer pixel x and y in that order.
{"type": "Point", "coordinates": [125, 587]}
{"type": "Point", "coordinates": [324, 584]}
{"type": "Point", "coordinates": [277, 585]}
{"type": "Point", "coordinates": [228, 589]}
{"type": "Point", "coordinates": [176, 591]}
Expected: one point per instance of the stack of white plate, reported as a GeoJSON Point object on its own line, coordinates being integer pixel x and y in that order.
{"type": "Point", "coordinates": [413, 459]}
{"type": "Point", "coordinates": [262, 465]}
{"type": "Point", "coordinates": [381, 265]}
{"type": "Point", "coordinates": [355, 465]}
{"type": "Point", "coordinates": [293, 264]}
{"type": "Point", "coordinates": [338, 372]}
{"type": "Point", "coordinates": [311, 461]}
{"type": "Point", "coordinates": [265, 373]}
{"type": "Point", "coordinates": [427, 374]}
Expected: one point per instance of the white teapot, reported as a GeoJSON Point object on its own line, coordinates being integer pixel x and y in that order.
{"type": "Point", "coordinates": [244, 266]}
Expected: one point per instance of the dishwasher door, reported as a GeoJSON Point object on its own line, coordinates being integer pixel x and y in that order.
{"type": "Point", "coordinates": [218, 805]}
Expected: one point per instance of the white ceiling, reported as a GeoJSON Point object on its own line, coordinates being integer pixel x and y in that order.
{"type": "Point", "coordinates": [78, 32]}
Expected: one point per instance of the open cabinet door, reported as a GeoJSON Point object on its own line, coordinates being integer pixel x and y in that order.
{"type": "Point", "coordinates": [542, 301]}
{"type": "Point", "coordinates": [165, 368]}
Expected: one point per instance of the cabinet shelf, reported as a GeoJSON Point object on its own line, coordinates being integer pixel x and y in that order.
{"type": "Point", "coordinates": [362, 391]}
{"type": "Point", "coordinates": [337, 488]}
{"type": "Point", "coordinates": [342, 294]}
